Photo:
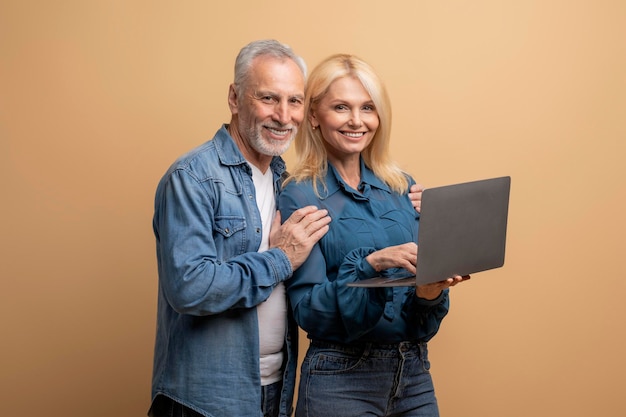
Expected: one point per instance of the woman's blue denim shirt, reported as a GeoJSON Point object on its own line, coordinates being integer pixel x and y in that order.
{"type": "Point", "coordinates": [211, 278]}
{"type": "Point", "coordinates": [362, 222]}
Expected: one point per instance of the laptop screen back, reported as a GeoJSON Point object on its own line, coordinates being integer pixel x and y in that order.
{"type": "Point", "coordinates": [462, 231]}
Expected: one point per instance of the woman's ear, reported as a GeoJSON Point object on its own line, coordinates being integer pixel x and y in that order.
{"type": "Point", "coordinates": [313, 120]}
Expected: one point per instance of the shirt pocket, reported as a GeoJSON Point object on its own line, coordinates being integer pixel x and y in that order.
{"type": "Point", "coordinates": [400, 226]}
{"type": "Point", "coordinates": [349, 233]}
{"type": "Point", "coordinates": [230, 236]}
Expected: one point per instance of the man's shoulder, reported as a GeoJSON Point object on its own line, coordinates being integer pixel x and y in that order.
{"type": "Point", "coordinates": [203, 152]}
{"type": "Point", "coordinates": [208, 155]}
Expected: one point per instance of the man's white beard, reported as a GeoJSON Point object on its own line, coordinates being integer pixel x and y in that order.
{"type": "Point", "coordinates": [270, 146]}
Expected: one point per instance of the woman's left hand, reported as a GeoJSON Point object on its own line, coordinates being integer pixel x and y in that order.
{"type": "Point", "coordinates": [432, 291]}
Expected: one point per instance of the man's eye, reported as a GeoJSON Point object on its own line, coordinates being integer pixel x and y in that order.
{"type": "Point", "coordinates": [267, 99]}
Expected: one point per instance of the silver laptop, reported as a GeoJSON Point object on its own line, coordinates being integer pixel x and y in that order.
{"type": "Point", "coordinates": [462, 231]}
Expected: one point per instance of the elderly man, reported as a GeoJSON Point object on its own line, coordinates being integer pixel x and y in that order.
{"type": "Point", "coordinates": [225, 343]}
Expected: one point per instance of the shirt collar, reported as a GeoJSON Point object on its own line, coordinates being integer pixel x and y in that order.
{"type": "Point", "coordinates": [229, 153]}
{"type": "Point", "coordinates": [334, 182]}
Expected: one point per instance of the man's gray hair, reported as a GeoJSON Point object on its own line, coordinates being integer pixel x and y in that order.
{"type": "Point", "coordinates": [254, 49]}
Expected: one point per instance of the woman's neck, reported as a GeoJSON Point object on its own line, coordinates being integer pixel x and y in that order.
{"type": "Point", "coordinates": [349, 169]}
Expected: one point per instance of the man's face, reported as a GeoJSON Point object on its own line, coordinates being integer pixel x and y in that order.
{"type": "Point", "coordinates": [271, 106]}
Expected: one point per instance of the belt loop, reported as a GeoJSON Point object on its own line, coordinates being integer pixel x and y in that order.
{"type": "Point", "coordinates": [423, 347]}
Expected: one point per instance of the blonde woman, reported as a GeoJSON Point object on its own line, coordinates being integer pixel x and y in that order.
{"type": "Point", "coordinates": [368, 354]}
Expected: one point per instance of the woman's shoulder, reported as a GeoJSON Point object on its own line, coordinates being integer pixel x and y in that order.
{"type": "Point", "coordinates": [298, 187]}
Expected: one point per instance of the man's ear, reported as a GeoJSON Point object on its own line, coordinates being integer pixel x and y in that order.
{"type": "Point", "coordinates": [233, 99]}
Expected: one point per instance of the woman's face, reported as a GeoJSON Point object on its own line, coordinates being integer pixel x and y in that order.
{"type": "Point", "coordinates": [346, 117]}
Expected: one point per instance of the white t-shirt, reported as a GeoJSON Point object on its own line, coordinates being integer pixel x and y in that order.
{"type": "Point", "coordinates": [272, 313]}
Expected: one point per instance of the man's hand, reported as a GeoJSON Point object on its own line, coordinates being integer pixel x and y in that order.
{"type": "Point", "coordinates": [415, 195]}
{"type": "Point", "coordinates": [299, 233]}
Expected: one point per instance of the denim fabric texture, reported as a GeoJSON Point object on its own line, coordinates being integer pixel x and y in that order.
{"type": "Point", "coordinates": [163, 406]}
{"type": "Point", "coordinates": [366, 380]}
{"type": "Point", "coordinates": [270, 400]}
{"type": "Point", "coordinates": [211, 278]}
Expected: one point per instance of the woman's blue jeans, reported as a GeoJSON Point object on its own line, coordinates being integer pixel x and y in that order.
{"type": "Point", "coordinates": [366, 380]}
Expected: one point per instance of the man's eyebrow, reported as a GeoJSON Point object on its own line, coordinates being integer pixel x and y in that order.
{"type": "Point", "coordinates": [263, 93]}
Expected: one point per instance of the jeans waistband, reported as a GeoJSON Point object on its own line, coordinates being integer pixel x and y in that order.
{"type": "Point", "coordinates": [405, 346]}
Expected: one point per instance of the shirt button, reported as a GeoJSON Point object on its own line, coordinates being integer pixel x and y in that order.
{"type": "Point", "coordinates": [258, 230]}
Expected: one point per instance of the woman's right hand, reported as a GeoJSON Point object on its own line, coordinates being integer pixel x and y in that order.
{"type": "Point", "coordinates": [399, 256]}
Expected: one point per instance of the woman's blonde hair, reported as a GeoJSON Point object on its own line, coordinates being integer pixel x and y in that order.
{"type": "Point", "coordinates": [311, 158]}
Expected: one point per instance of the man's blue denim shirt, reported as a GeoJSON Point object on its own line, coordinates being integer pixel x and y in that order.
{"type": "Point", "coordinates": [211, 278]}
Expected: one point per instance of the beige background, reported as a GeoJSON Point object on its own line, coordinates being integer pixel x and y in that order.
{"type": "Point", "coordinates": [98, 97]}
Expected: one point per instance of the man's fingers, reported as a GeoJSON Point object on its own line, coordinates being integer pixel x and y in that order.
{"type": "Point", "coordinates": [317, 220]}
{"type": "Point", "coordinates": [310, 218]}
{"type": "Point", "coordinates": [318, 233]}
{"type": "Point", "coordinates": [301, 213]}
{"type": "Point", "coordinates": [417, 188]}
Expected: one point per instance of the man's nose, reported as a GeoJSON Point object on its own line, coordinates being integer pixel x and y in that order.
{"type": "Point", "coordinates": [282, 113]}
